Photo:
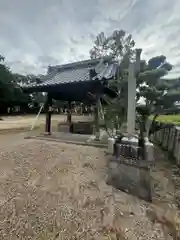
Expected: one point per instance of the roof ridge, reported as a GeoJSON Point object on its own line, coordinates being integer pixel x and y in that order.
{"type": "Point", "coordinates": [82, 63]}
{"type": "Point", "coordinates": [74, 64]}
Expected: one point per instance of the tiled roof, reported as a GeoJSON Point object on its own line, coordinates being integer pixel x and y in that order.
{"type": "Point", "coordinates": [67, 76]}
{"type": "Point", "coordinates": [76, 72]}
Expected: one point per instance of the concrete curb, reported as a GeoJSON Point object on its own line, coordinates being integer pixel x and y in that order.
{"type": "Point", "coordinates": [89, 144]}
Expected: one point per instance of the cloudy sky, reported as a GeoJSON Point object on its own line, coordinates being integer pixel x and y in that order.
{"type": "Point", "coordinates": [38, 33]}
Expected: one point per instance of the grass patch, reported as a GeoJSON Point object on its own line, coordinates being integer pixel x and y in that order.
{"type": "Point", "coordinates": [174, 119]}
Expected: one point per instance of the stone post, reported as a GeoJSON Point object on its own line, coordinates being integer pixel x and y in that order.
{"type": "Point", "coordinates": [131, 100]}
{"type": "Point", "coordinates": [134, 68]}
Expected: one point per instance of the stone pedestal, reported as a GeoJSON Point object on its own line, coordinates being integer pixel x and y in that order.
{"type": "Point", "coordinates": [47, 134]}
{"type": "Point", "coordinates": [129, 173]}
{"type": "Point", "coordinates": [132, 179]}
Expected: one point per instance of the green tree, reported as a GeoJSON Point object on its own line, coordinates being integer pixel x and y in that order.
{"type": "Point", "coordinates": [120, 47]}
{"type": "Point", "coordinates": [158, 96]}
{"type": "Point", "coordinates": [12, 95]}
{"type": "Point", "coordinates": [6, 84]}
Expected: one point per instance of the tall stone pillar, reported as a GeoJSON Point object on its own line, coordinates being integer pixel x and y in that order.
{"type": "Point", "coordinates": [131, 115]}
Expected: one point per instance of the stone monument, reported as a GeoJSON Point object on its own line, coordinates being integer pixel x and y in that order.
{"type": "Point", "coordinates": [127, 170]}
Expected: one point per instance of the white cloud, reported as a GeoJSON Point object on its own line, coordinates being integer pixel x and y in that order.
{"type": "Point", "coordinates": [35, 34]}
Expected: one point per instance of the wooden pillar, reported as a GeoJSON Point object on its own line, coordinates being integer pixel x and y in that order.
{"type": "Point", "coordinates": [96, 118]}
{"type": "Point", "coordinates": [48, 109]}
{"type": "Point", "coordinates": [69, 115]}
{"type": "Point", "coordinates": [81, 109]}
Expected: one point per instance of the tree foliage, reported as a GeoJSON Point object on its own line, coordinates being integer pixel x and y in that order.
{"type": "Point", "coordinates": [6, 81]}
{"type": "Point", "coordinates": [152, 89]}
{"type": "Point", "coordinates": [159, 97]}
{"type": "Point", "coordinates": [120, 47]}
{"type": "Point", "coordinates": [11, 94]}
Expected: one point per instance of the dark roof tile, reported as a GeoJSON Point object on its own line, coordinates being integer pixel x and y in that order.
{"type": "Point", "coordinates": [76, 72]}
{"type": "Point", "coordinates": [67, 76]}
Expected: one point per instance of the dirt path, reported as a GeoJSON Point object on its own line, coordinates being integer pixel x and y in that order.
{"type": "Point", "coordinates": [58, 191]}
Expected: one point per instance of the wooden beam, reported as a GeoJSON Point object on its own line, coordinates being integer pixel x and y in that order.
{"type": "Point", "coordinates": [48, 109]}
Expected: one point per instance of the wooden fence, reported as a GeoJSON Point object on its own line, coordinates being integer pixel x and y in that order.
{"type": "Point", "coordinates": [169, 139]}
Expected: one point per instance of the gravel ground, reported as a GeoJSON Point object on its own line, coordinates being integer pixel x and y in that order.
{"type": "Point", "coordinates": [57, 191]}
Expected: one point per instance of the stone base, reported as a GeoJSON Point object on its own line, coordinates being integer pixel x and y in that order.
{"type": "Point", "coordinates": [131, 179]}
{"type": "Point", "coordinates": [47, 134]}
{"type": "Point", "coordinates": [128, 172]}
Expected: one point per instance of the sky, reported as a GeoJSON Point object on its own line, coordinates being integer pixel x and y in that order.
{"type": "Point", "coordinates": [38, 33]}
